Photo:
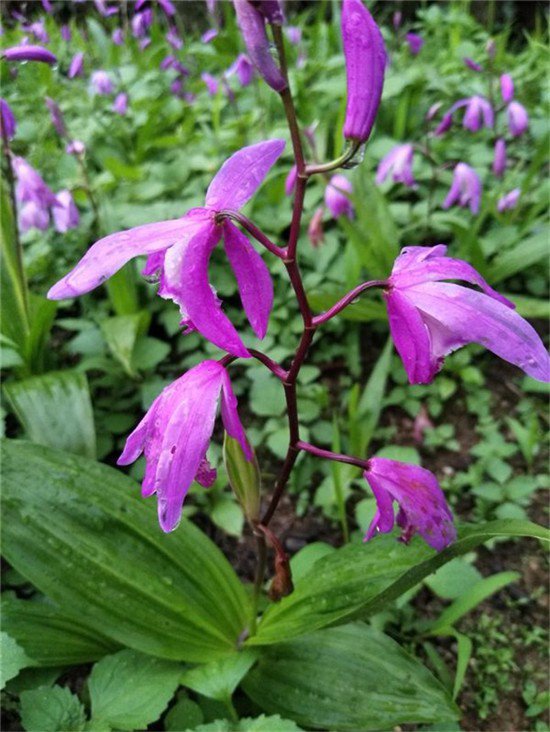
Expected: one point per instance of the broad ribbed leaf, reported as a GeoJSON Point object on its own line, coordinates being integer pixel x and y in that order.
{"type": "Point", "coordinates": [347, 678]}
{"type": "Point", "coordinates": [526, 253]}
{"type": "Point", "coordinates": [56, 410]}
{"type": "Point", "coordinates": [50, 637]}
{"type": "Point", "coordinates": [80, 532]}
{"type": "Point", "coordinates": [357, 580]}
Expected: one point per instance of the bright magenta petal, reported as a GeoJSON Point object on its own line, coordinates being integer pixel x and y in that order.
{"type": "Point", "coordinates": [411, 338]}
{"type": "Point", "coordinates": [253, 278]}
{"type": "Point", "coordinates": [200, 302]}
{"type": "Point", "coordinates": [242, 174]}
{"type": "Point", "coordinates": [230, 416]}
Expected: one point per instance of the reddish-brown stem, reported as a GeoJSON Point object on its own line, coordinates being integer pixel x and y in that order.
{"type": "Point", "coordinates": [345, 301]}
{"type": "Point", "coordinates": [329, 455]}
{"type": "Point", "coordinates": [253, 230]}
{"type": "Point", "coordinates": [272, 365]}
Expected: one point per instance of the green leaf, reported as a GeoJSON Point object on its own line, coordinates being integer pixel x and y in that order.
{"type": "Point", "coordinates": [464, 653]}
{"type": "Point", "coordinates": [56, 410]}
{"type": "Point", "coordinates": [523, 255]}
{"type": "Point", "coordinates": [50, 637]}
{"type": "Point", "coordinates": [453, 579]}
{"type": "Point", "coordinates": [185, 714]}
{"type": "Point", "coordinates": [227, 514]}
{"type": "Point", "coordinates": [347, 678]}
{"type": "Point", "coordinates": [335, 591]}
{"type": "Point", "coordinates": [530, 307]}
{"type": "Point", "coordinates": [80, 532]}
{"type": "Point", "coordinates": [219, 679]}
{"type": "Point", "coordinates": [41, 314]}
{"type": "Point", "coordinates": [13, 658]}
{"type": "Point", "coordinates": [121, 334]}
{"type": "Point", "coordinates": [51, 709]}
{"type": "Point", "coordinates": [471, 598]}
{"type": "Point", "coordinates": [258, 724]}
{"type": "Point", "coordinates": [244, 476]}
{"type": "Point", "coordinates": [129, 690]}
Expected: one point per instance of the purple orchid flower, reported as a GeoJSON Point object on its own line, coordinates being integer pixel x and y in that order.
{"type": "Point", "coordinates": [422, 505]}
{"type": "Point", "coordinates": [478, 114]}
{"type": "Point", "coordinates": [209, 35]}
{"type": "Point", "coordinates": [33, 216]}
{"type": "Point", "coordinates": [8, 125]}
{"type": "Point", "coordinates": [117, 37]}
{"type": "Point", "coordinates": [272, 10]}
{"type": "Point", "coordinates": [175, 434]}
{"type": "Point", "coordinates": [56, 117]}
{"type": "Point", "coordinates": [445, 124]}
{"type": "Point", "coordinates": [499, 159]}
{"type": "Point", "coordinates": [465, 189]}
{"type": "Point", "coordinates": [173, 38]}
{"type": "Point", "coordinates": [472, 65]}
{"type": "Point", "coordinates": [506, 88]}
{"type": "Point", "coordinates": [252, 25]}
{"type": "Point", "coordinates": [141, 22]}
{"type": "Point", "coordinates": [294, 34]}
{"type": "Point", "coordinates": [105, 10]}
{"type": "Point", "coordinates": [38, 31]}
{"type": "Point", "coordinates": [180, 250]}
{"type": "Point", "coordinates": [30, 186]}
{"type": "Point", "coordinates": [212, 84]}
{"type": "Point", "coordinates": [65, 214]}
{"type": "Point", "coordinates": [76, 66]}
{"type": "Point", "coordinates": [518, 120]}
{"type": "Point", "coordinates": [336, 200]}
{"type": "Point", "coordinates": [365, 56]}
{"type": "Point", "coordinates": [509, 200]}
{"type": "Point", "coordinates": [397, 163]}
{"type": "Point", "coordinates": [120, 105]}
{"type": "Point", "coordinates": [101, 83]}
{"type": "Point", "coordinates": [66, 34]}
{"type": "Point", "coordinates": [243, 69]}
{"type": "Point", "coordinates": [75, 147]}
{"type": "Point", "coordinates": [29, 53]}
{"type": "Point", "coordinates": [415, 43]}
{"type": "Point", "coordinates": [430, 318]}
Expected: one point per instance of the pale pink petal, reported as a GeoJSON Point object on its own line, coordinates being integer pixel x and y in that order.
{"type": "Point", "coordinates": [242, 174]}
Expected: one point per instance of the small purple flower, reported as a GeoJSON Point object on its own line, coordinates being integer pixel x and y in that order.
{"type": "Point", "coordinates": [56, 117]}
{"type": "Point", "coordinates": [415, 43]}
{"type": "Point", "coordinates": [365, 57]}
{"type": "Point", "coordinates": [212, 84]}
{"type": "Point", "coordinates": [509, 201]}
{"type": "Point", "coordinates": [209, 35]}
{"type": "Point", "coordinates": [430, 318]}
{"type": "Point", "coordinates": [141, 22]}
{"type": "Point", "coordinates": [465, 189]}
{"type": "Point", "coordinates": [397, 163]}
{"type": "Point", "coordinates": [48, 7]}
{"type": "Point", "coordinates": [8, 125]}
{"type": "Point", "coordinates": [75, 147]}
{"type": "Point", "coordinates": [396, 20]}
{"type": "Point", "coordinates": [179, 251]}
{"type": "Point", "coordinates": [518, 120]}
{"type": "Point", "coordinates": [173, 38]}
{"type": "Point", "coordinates": [445, 124]}
{"type": "Point", "coordinates": [120, 105]}
{"type": "Point", "coordinates": [66, 34]}
{"type": "Point", "coordinates": [105, 10]}
{"type": "Point", "coordinates": [167, 7]}
{"type": "Point", "coordinates": [76, 66]}
{"type": "Point", "coordinates": [38, 30]}
{"type": "Point", "coordinates": [252, 25]}
{"type": "Point", "coordinates": [65, 214]}
{"type": "Point", "coordinates": [478, 114]}
{"type": "Point", "coordinates": [33, 216]}
{"type": "Point", "coordinates": [118, 37]}
{"type": "Point", "coordinates": [294, 34]}
{"type": "Point", "coordinates": [472, 65]}
{"type": "Point", "coordinates": [101, 83]}
{"type": "Point", "coordinates": [337, 198]}
{"type": "Point", "coordinates": [175, 435]}
{"type": "Point", "coordinates": [243, 69]}
{"type": "Point", "coordinates": [290, 181]}
{"type": "Point", "coordinates": [30, 185]}
{"type": "Point", "coordinates": [499, 160]}
{"type": "Point", "coordinates": [144, 42]}
{"type": "Point", "coordinates": [506, 88]}
{"type": "Point", "coordinates": [29, 53]}
{"type": "Point", "coordinates": [422, 505]}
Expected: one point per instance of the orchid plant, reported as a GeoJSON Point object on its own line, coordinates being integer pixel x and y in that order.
{"type": "Point", "coordinates": [429, 316]}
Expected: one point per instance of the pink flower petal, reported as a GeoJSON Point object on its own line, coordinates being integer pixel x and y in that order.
{"type": "Point", "coordinates": [230, 416]}
{"type": "Point", "coordinates": [411, 338]}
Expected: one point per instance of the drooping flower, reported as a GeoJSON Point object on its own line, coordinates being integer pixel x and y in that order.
{"type": "Point", "coordinates": [243, 69]}
{"type": "Point", "coordinates": [518, 120]}
{"type": "Point", "coordinates": [445, 124]}
{"type": "Point", "coordinates": [141, 22]}
{"type": "Point", "coordinates": [422, 505]}
{"type": "Point", "coordinates": [315, 231]}
{"type": "Point", "coordinates": [30, 186]}
{"type": "Point", "coordinates": [33, 216]}
{"type": "Point", "coordinates": [76, 66]}
{"type": "Point", "coordinates": [212, 84]}
{"type": "Point", "coordinates": [120, 105]}
{"type": "Point", "coordinates": [506, 88]}
{"type": "Point", "coordinates": [65, 214]}
{"type": "Point", "coordinates": [8, 124]}
{"type": "Point", "coordinates": [118, 37]}
{"type": "Point", "coordinates": [336, 197]}
{"type": "Point", "coordinates": [472, 65]}
{"type": "Point", "coordinates": [478, 114]}
{"type": "Point", "coordinates": [465, 189]}
{"type": "Point", "coordinates": [56, 117]}
{"type": "Point", "coordinates": [209, 35]}
{"type": "Point", "coordinates": [252, 25]}
{"type": "Point", "coordinates": [415, 43]}
{"type": "Point", "coordinates": [173, 38]}
{"type": "Point", "coordinates": [365, 56]}
{"type": "Point", "coordinates": [105, 10]}
{"type": "Point", "coordinates": [179, 251]}
{"type": "Point", "coordinates": [38, 30]}
{"type": "Point", "coordinates": [509, 200]}
{"type": "Point", "coordinates": [499, 159]}
{"type": "Point", "coordinates": [397, 163]}
{"type": "Point", "coordinates": [430, 318]}
{"type": "Point", "coordinates": [29, 53]}
{"type": "Point", "coordinates": [101, 83]}
{"type": "Point", "coordinates": [175, 434]}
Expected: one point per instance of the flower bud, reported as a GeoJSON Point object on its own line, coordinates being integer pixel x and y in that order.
{"type": "Point", "coordinates": [499, 160]}
{"type": "Point", "coordinates": [244, 477]}
{"type": "Point", "coordinates": [252, 25]}
{"type": "Point", "coordinates": [365, 56]}
{"type": "Point", "coordinates": [506, 88]}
